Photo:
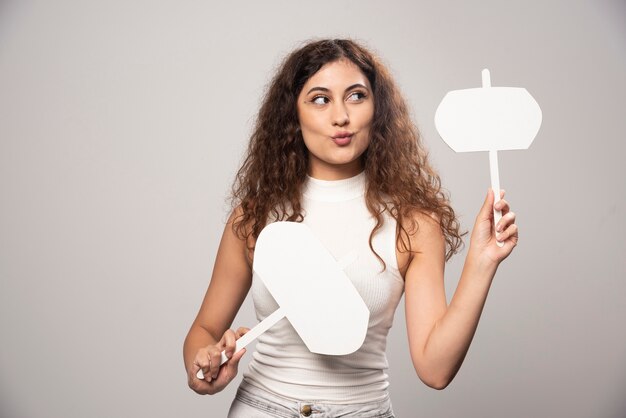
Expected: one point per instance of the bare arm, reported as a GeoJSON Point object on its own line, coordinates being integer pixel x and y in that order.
{"type": "Point", "coordinates": [209, 334]}
{"type": "Point", "coordinates": [440, 335]}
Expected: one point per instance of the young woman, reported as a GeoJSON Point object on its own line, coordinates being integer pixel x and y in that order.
{"type": "Point", "coordinates": [334, 147]}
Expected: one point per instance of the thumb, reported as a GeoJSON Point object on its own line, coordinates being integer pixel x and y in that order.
{"type": "Point", "coordinates": [487, 209]}
{"type": "Point", "coordinates": [232, 365]}
{"type": "Point", "coordinates": [233, 362]}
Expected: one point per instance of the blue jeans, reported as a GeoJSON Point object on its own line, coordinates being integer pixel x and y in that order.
{"type": "Point", "coordinates": [252, 402]}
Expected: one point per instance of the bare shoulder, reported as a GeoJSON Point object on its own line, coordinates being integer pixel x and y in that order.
{"type": "Point", "coordinates": [240, 233]}
{"type": "Point", "coordinates": [428, 231]}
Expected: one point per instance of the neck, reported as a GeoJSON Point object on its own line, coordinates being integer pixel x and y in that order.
{"type": "Point", "coordinates": [324, 171]}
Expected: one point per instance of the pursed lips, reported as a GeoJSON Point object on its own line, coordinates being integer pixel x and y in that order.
{"type": "Point", "coordinates": [342, 134]}
{"type": "Point", "coordinates": [342, 138]}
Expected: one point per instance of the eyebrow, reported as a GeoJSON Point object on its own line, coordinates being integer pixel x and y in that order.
{"type": "Point", "coordinates": [324, 89]}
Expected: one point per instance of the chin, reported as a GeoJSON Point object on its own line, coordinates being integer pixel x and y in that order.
{"type": "Point", "coordinates": [344, 162]}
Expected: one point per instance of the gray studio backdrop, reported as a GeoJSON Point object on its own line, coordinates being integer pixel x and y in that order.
{"type": "Point", "coordinates": [122, 124]}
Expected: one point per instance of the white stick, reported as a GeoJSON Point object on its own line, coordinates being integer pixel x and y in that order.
{"type": "Point", "coordinates": [486, 75]}
{"type": "Point", "coordinates": [493, 167]}
{"type": "Point", "coordinates": [251, 335]}
{"type": "Point", "coordinates": [495, 186]}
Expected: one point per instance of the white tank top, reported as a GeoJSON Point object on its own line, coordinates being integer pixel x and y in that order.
{"type": "Point", "coordinates": [281, 363]}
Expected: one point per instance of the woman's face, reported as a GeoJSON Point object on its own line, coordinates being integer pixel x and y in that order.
{"type": "Point", "coordinates": [335, 111]}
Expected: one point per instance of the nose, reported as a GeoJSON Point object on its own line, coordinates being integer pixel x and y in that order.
{"type": "Point", "coordinates": [340, 115]}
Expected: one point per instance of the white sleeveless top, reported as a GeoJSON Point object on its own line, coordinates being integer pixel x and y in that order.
{"type": "Point", "coordinates": [336, 213]}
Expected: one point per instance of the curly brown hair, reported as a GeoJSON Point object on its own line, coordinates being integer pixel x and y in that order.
{"type": "Point", "coordinates": [399, 178]}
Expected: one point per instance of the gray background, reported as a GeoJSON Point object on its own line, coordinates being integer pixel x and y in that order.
{"type": "Point", "coordinates": [122, 124]}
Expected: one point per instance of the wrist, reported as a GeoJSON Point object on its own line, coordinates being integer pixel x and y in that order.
{"type": "Point", "coordinates": [481, 262]}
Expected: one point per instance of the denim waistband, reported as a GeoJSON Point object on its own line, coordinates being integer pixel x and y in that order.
{"type": "Point", "coordinates": [278, 406]}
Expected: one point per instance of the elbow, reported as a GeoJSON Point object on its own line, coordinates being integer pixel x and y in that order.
{"type": "Point", "coordinates": [437, 384]}
{"type": "Point", "coordinates": [435, 380]}
{"type": "Point", "coordinates": [434, 373]}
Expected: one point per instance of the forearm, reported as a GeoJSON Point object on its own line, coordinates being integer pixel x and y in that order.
{"type": "Point", "coordinates": [452, 334]}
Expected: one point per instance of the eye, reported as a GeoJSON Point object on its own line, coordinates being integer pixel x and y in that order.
{"type": "Point", "coordinates": [357, 96]}
{"type": "Point", "coordinates": [320, 100]}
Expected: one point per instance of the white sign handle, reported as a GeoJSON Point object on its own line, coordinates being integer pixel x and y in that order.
{"type": "Point", "coordinates": [495, 186]}
{"type": "Point", "coordinates": [493, 167]}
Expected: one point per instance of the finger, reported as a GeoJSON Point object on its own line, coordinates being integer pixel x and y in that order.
{"type": "Point", "coordinates": [241, 331]}
{"type": "Point", "coordinates": [511, 232]}
{"type": "Point", "coordinates": [501, 205]}
{"type": "Point", "coordinates": [229, 342]}
{"type": "Point", "coordinates": [195, 372]}
{"type": "Point", "coordinates": [234, 361]}
{"type": "Point", "coordinates": [507, 219]}
{"type": "Point", "coordinates": [201, 363]}
{"type": "Point", "coordinates": [215, 360]}
{"type": "Point", "coordinates": [233, 364]}
{"type": "Point", "coordinates": [496, 206]}
{"type": "Point", "coordinates": [195, 379]}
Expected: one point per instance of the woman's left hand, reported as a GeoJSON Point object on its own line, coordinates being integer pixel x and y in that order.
{"type": "Point", "coordinates": [483, 239]}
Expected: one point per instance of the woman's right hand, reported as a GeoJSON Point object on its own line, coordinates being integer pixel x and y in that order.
{"type": "Point", "coordinates": [208, 360]}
